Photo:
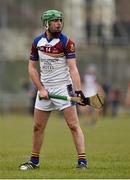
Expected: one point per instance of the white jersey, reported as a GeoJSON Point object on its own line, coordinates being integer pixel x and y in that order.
{"type": "Point", "coordinates": [90, 85]}
{"type": "Point", "coordinates": [52, 56]}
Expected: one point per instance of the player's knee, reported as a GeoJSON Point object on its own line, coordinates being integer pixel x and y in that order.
{"type": "Point", "coordinates": [73, 127]}
{"type": "Point", "coordinates": [37, 127]}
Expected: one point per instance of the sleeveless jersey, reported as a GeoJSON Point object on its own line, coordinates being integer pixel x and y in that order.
{"type": "Point", "coordinates": [53, 55]}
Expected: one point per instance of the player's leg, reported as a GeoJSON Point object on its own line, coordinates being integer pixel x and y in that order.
{"type": "Point", "coordinates": [71, 118]}
{"type": "Point", "coordinates": [41, 118]}
{"type": "Point", "coordinates": [40, 122]}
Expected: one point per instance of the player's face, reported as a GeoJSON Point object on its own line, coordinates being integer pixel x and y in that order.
{"type": "Point", "coordinates": [55, 26]}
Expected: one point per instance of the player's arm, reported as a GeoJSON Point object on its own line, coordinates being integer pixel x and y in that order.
{"type": "Point", "coordinates": [34, 75]}
{"type": "Point", "coordinates": [74, 74]}
{"type": "Point", "coordinates": [71, 61]}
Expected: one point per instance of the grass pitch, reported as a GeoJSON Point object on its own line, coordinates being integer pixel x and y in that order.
{"type": "Point", "coordinates": [107, 143]}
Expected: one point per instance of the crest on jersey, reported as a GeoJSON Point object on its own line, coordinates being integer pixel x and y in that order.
{"type": "Point", "coordinates": [72, 48]}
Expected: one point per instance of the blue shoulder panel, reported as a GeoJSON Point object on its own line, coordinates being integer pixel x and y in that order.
{"type": "Point", "coordinates": [36, 40]}
{"type": "Point", "coordinates": [63, 39]}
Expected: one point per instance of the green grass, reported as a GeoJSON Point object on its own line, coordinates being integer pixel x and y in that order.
{"type": "Point", "coordinates": [108, 148]}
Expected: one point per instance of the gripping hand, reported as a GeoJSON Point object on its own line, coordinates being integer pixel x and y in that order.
{"type": "Point", "coordinates": [81, 95]}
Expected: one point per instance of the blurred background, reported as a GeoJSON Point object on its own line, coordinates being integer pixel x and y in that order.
{"type": "Point", "coordinates": [100, 30]}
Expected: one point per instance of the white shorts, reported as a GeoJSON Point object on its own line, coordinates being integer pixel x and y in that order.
{"type": "Point", "coordinates": [55, 104]}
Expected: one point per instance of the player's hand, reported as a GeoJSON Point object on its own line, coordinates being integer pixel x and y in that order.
{"type": "Point", "coordinates": [81, 95]}
{"type": "Point", "coordinates": [43, 93]}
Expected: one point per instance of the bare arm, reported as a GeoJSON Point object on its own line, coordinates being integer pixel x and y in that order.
{"type": "Point", "coordinates": [74, 74]}
{"type": "Point", "coordinates": [33, 73]}
{"type": "Point", "coordinates": [76, 80]}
